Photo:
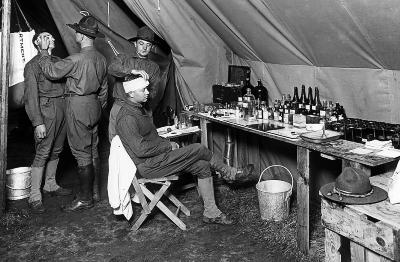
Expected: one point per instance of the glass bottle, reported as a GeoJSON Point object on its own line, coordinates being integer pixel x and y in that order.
{"type": "Point", "coordinates": [247, 85]}
{"type": "Point", "coordinates": [246, 111]}
{"type": "Point", "coordinates": [317, 102]}
{"type": "Point", "coordinates": [322, 110]}
{"type": "Point", "coordinates": [295, 95]}
{"type": "Point", "coordinates": [261, 92]}
{"type": "Point", "coordinates": [309, 101]}
{"type": "Point", "coordinates": [303, 99]}
{"type": "Point", "coordinates": [250, 99]}
{"type": "Point", "coordinates": [260, 113]}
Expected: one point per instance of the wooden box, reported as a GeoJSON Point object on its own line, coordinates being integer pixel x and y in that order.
{"type": "Point", "coordinates": [373, 230]}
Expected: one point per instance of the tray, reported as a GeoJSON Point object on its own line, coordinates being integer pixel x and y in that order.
{"type": "Point", "coordinates": [316, 137]}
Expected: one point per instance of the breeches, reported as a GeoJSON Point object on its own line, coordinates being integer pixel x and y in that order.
{"type": "Point", "coordinates": [83, 115]}
{"type": "Point", "coordinates": [194, 159]}
{"type": "Point", "coordinates": [48, 148]}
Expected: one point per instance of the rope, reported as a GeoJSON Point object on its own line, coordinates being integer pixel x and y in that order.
{"type": "Point", "coordinates": [26, 21]}
{"type": "Point", "coordinates": [108, 14]}
{"type": "Point", "coordinates": [19, 25]}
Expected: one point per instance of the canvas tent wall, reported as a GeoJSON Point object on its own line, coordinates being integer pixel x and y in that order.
{"type": "Point", "coordinates": [347, 48]}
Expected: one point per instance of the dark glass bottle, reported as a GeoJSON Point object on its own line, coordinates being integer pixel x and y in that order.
{"type": "Point", "coordinates": [317, 102]}
{"type": "Point", "coordinates": [295, 95]}
{"type": "Point", "coordinates": [323, 109]}
{"type": "Point", "coordinates": [309, 101]}
{"type": "Point", "coordinates": [303, 99]}
{"type": "Point", "coordinates": [261, 93]}
{"type": "Point", "coordinates": [246, 85]}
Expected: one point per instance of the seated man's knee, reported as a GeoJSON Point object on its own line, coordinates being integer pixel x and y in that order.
{"type": "Point", "coordinates": [201, 169]}
{"type": "Point", "coordinates": [202, 150]}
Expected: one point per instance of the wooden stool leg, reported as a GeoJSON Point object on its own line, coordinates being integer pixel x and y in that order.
{"type": "Point", "coordinates": [178, 203]}
{"type": "Point", "coordinates": [139, 221]}
{"type": "Point", "coordinates": [154, 199]}
{"type": "Point", "coordinates": [332, 246]}
{"type": "Point", "coordinates": [165, 209]}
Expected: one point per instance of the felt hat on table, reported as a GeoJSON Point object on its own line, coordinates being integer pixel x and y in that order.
{"type": "Point", "coordinates": [353, 187]}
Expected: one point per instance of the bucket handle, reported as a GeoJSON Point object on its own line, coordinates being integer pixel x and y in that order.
{"type": "Point", "coordinates": [291, 186]}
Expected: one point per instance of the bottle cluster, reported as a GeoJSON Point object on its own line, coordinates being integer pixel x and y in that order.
{"type": "Point", "coordinates": [361, 131]}
{"type": "Point", "coordinates": [253, 104]}
{"type": "Point", "coordinates": [306, 106]}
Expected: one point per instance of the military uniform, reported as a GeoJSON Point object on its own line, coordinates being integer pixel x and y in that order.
{"type": "Point", "coordinates": [45, 105]}
{"type": "Point", "coordinates": [86, 94]}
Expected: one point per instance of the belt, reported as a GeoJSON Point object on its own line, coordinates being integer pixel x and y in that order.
{"type": "Point", "coordinates": [74, 95]}
{"type": "Point", "coordinates": [71, 94]}
{"type": "Point", "coordinates": [51, 97]}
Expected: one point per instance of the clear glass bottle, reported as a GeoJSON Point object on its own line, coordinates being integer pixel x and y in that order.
{"type": "Point", "coordinates": [250, 99]}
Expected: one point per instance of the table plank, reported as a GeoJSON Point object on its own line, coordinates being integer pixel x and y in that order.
{"type": "Point", "coordinates": [339, 148]}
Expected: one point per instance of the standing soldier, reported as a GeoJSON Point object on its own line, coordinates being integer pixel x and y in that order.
{"type": "Point", "coordinates": [45, 106]}
{"type": "Point", "coordinates": [124, 65]}
{"type": "Point", "coordinates": [86, 95]}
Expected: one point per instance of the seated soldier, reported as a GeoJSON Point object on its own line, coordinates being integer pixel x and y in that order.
{"type": "Point", "coordinates": [155, 156]}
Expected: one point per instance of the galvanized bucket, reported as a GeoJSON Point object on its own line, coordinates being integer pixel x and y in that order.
{"type": "Point", "coordinates": [18, 183]}
{"type": "Point", "coordinates": [274, 196]}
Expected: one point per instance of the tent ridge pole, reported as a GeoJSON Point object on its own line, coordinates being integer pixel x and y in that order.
{"type": "Point", "coordinates": [5, 67]}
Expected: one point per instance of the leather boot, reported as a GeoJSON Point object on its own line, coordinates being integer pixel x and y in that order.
{"type": "Point", "coordinates": [96, 180]}
{"type": "Point", "coordinates": [35, 197]}
{"type": "Point", "coordinates": [211, 212]}
{"type": "Point", "coordinates": [231, 173]}
{"type": "Point", "coordinates": [84, 200]}
{"type": "Point", "coordinates": [50, 184]}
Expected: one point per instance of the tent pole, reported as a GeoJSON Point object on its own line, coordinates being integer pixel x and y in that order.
{"type": "Point", "coordinates": [5, 66]}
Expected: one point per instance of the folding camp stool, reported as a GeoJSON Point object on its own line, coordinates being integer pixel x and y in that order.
{"type": "Point", "coordinates": [155, 200]}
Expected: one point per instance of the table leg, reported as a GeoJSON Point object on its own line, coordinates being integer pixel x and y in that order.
{"type": "Point", "coordinates": [348, 163]}
{"type": "Point", "coordinates": [332, 246]}
{"type": "Point", "coordinates": [204, 132]}
{"type": "Point", "coordinates": [303, 199]}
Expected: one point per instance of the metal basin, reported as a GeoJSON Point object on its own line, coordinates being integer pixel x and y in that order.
{"type": "Point", "coordinates": [266, 126]}
{"type": "Point", "coordinates": [18, 183]}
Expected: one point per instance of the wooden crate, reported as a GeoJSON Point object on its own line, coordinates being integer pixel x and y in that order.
{"type": "Point", "coordinates": [373, 230]}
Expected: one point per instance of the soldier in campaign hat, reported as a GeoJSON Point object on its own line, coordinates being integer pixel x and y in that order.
{"type": "Point", "coordinates": [86, 95]}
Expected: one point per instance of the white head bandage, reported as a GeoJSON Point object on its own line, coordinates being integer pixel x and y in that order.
{"type": "Point", "coordinates": [135, 84]}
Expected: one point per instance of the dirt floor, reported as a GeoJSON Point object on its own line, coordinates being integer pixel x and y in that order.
{"type": "Point", "coordinates": [98, 235]}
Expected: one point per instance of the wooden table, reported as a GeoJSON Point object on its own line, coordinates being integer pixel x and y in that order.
{"type": "Point", "coordinates": [373, 230]}
{"type": "Point", "coordinates": [338, 149]}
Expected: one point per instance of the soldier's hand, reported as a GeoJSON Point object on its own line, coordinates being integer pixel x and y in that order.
{"type": "Point", "coordinates": [174, 145]}
{"type": "Point", "coordinates": [40, 131]}
{"type": "Point", "coordinates": [142, 73]}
